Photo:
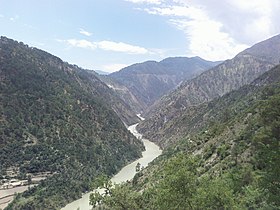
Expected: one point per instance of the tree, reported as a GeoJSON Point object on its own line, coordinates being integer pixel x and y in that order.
{"type": "Point", "coordinates": [214, 194]}
{"type": "Point", "coordinates": [138, 167]}
{"type": "Point", "coordinates": [123, 198]}
{"type": "Point", "coordinates": [268, 148]}
{"type": "Point", "coordinates": [179, 183]}
{"type": "Point", "coordinates": [119, 196]}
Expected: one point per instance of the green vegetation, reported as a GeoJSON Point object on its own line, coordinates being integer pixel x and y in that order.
{"type": "Point", "coordinates": [268, 146]}
{"type": "Point", "coordinates": [53, 118]}
{"type": "Point", "coordinates": [164, 119]}
{"type": "Point", "coordinates": [233, 163]}
{"type": "Point", "coordinates": [182, 187]}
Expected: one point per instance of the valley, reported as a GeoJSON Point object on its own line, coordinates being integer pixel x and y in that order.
{"type": "Point", "coordinates": [54, 119]}
{"type": "Point", "coordinates": [127, 173]}
{"type": "Point", "coordinates": [140, 105]}
{"type": "Point", "coordinates": [228, 76]}
{"type": "Point", "coordinates": [215, 139]}
{"type": "Point", "coordinates": [229, 162]}
{"type": "Point", "coordinates": [207, 136]}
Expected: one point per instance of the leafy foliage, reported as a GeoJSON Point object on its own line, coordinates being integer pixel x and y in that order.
{"type": "Point", "coordinates": [233, 163]}
{"type": "Point", "coordinates": [53, 118]}
{"type": "Point", "coordinates": [268, 145]}
{"type": "Point", "coordinates": [118, 196]}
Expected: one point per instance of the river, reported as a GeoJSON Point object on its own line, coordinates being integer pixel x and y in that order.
{"type": "Point", "coordinates": [126, 173]}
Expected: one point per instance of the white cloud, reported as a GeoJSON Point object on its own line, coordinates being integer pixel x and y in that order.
{"type": "Point", "coordinates": [205, 36]}
{"type": "Point", "coordinates": [81, 43]}
{"type": "Point", "coordinates": [13, 19]}
{"type": "Point", "coordinates": [217, 29]}
{"type": "Point", "coordinates": [214, 30]}
{"type": "Point", "coordinates": [146, 1]}
{"type": "Point", "coordinates": [1, 16]}
{"type": "Point", "coordinates": [106, 45]}
{"type": "Point", "coordinates": [114, 67]}
{"type": "Point", "coordinates": [246, 22]}
{"type": "Point", "coordinates": [207, 40]}
{"type": "Point", "coordinates": [260, 25]}
{"type": "Point", "coordinates": [121, 47]}
{"type": "Point", "coordinates": [84, 32]}
{"type": "Point", "coordinates": [180, 11]}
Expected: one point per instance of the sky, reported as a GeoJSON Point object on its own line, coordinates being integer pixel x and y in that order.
{"type": "Point", "coordinates": [108, 35]}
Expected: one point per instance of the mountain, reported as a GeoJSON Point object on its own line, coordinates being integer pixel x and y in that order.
{"type": "Point", "coordinates": [150, 80]}
{"type": "Point", "coordinates": [267, 50]}
{"type": "Point", "coordinates": [230, 75]}
{"type": "Point", "coordinates": [101, 72]}
{"type": "Point", "coordinates": [58, 119]}
{"type": "Point", "coordinates": [124, 93]}
{"type": "Point", "coordinates": [228, 158]}
{"type": "Point", "coordinates": [120, 106]}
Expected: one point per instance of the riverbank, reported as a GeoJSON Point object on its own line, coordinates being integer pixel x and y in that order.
{"type": "Point", "coordinates": [7, 195]}
{"type": "Point", "coordinates": [126, 173]}
{"type": "Point", "coordinates": [9, 189]}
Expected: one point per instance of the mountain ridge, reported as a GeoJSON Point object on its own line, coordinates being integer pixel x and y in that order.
{"type": "Point", "coordinates": [225, 77]}
{"type": "Point", "coordinates": [150, 80]}
{"type": "Point", "coordinates": [228, 158]}
{"type": "Point", "coordinates": [54, 119]}
{"type": "Point", "coordinates": [267, 50]}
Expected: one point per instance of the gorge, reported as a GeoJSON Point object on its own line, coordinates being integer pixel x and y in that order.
{"type": "Point", "coordinates": [218, 128]}
{"type": "Point", "coordinates": [126, 173]}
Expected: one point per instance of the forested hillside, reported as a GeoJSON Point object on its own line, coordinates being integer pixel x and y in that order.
{"type": "Point", "coordinates": [227, 159]}
{"type": "Point", "coordinates": [218, 81]}
{"type": "Point", "coordinates": [54, 118]}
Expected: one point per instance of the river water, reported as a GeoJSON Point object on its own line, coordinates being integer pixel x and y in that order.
{"type": "Point", "coordinates": [126, 173]}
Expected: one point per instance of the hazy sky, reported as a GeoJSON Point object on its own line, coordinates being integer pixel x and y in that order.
{"type": "Point", "coordinates": [111, 34]}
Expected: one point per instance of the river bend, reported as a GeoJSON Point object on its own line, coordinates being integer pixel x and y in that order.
{"type": "Point", "coordinates": [126, 173]}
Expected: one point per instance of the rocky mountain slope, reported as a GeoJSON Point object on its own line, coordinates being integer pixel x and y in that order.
{"type": "Point", "coordinates": [226, 157]}
{"type": "Point", "coordinates": [144, 83]}
{"type": "Point", "coordinates": [230, 75]}
{"type": "Point", "coordinates": [54, 119]}
{"type": "Point", "coordinates": [124, 93]}
{"type": "Point", "coordinates": [267, 50]}
{"type": "Point", "coordinates": [120, 106]}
